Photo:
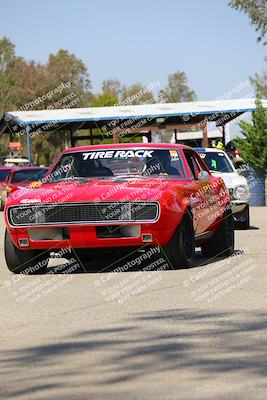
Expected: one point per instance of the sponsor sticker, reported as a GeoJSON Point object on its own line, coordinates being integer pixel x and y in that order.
{"type": "Point", "coordinates": [174, 155]}
{"type": "Point", "coordinates": [94, 155]}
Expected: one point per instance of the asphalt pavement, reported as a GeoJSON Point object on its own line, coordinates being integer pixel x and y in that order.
{"type": "Point", "coordinates": [145, 331]}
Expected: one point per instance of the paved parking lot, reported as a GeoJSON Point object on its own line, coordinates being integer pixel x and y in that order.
{"type": "Point", "coordinates": [166, 334]}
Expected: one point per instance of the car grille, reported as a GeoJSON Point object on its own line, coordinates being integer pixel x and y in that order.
{"type": "Point", "coordinates": [87, 213]}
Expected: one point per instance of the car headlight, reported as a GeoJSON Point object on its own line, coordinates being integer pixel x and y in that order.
{"type": "Point", "coordinates": [241, 192]}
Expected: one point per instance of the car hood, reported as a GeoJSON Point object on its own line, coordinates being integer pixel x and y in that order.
{"type": "Point", "coordinates": [231, 179]}
{"type": "Point", "coordinates": [87, 190]}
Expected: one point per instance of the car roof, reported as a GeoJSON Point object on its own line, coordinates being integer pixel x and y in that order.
{"type": "Point", "coordinates": [208, 150]}
{"type": "Point", "coordinates": [16, 169]}
{"type": "Point", "coordinates": [128, 145]}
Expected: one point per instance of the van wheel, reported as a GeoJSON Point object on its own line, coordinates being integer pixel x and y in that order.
{"type": "Point", "coordinates": [28, 262]}
{"type": "Point", "coordinates": [243, 221]}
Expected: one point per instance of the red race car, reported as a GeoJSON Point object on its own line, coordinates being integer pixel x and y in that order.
{"type": "Point", "coordinates": [4, 171]}
{"type": "Point", "coordinates": [20, 178]}
{"type": "Point", "coordinates": [120, 196]}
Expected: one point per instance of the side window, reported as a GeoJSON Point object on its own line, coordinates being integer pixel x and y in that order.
{"type": "Point", "coordinates": [190, 164]}
{"type": "Point", "coordinates": [194, 165]}
{"type": "Point", "coordinates": [8, 177]}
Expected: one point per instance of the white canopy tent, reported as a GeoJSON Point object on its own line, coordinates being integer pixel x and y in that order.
{"type": "Point", "coordinates": [113, 120]}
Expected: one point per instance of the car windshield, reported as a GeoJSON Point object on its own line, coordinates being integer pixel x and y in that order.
{"type": "Point", "coordinates": [109, 162]}
{"type": "Point", "coordinates": [28, 175]}
{"type": "Point", "coordinates": [217, 161]}
{"type": "Point", "coordinates": [3, 174]}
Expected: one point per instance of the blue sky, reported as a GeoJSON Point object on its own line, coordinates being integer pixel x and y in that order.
{"type": "Point", "coordinates": [141, 40]}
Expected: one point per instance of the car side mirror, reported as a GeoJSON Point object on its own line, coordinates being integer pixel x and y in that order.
{"type": "Point", "coordinates": [203, 175]}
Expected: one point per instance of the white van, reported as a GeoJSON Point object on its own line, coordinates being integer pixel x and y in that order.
{"type": "Point", "coordinates": [220, 164]}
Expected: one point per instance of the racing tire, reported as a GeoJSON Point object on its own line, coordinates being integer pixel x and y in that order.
{"type": "Point", "coordinates": [2, 205]}
{"type": "Point", "coordinates": [223, 240]}
{"type": "Point", "coordinates": [245, 223]}
{"type": "Point", "coordinates": [180, 250]}
{"type": "Point", "coordinates": [28, 262]}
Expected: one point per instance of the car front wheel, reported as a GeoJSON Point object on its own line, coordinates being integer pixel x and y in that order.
{"type": "Point", "coordinates": [181, 248]}
{"type": "Point", "coordinates": [27, 262]}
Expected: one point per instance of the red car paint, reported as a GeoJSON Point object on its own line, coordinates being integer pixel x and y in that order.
{"type": "Point", "coordinates": [12, 186]}
{"type": "Point", "coordinates": [205, 198]}
{"type": "Point", "coordinates": [4, 171]}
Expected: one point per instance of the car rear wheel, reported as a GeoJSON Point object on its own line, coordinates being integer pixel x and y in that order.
{"type": "Point", "coordinates": [181, 248]}
{"type": "Point", "coordinates": [28, 262]}
{"type": "Point", "coordinates": [223, 241]}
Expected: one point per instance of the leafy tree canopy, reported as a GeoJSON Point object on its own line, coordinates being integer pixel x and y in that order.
{"type": "Point", "coordinates": [177, 89]}
{"type": "Point", "coordinates": [259, 81]}
{"type": "Point", "coordinates": [29, 85]}
{"type": "Point", "coordinates": [253, 147]}
{"type": "Point", "coordinates": [257, 12]}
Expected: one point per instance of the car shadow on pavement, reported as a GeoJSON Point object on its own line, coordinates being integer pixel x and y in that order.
{"type": "Point", "coordinates": [128, 263]}
{"type": "Point", "coordinates": [251, 227]}
{"type": "Point", "coordinates": [203, 344]}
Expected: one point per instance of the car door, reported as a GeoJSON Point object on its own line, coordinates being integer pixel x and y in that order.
{"type": "Point", "coordinates": [201, 198]}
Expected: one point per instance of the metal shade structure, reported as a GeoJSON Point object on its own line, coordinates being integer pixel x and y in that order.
{"type": "Point", "coordinates": [122, 120]}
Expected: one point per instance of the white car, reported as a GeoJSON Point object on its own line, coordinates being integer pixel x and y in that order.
{"type": "Point", "coordinates": [220, 164]}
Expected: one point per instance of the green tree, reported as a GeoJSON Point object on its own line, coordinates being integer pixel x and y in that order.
{"type": "Point", "coordinates": [64, 67]}
{"type": "Point", "coordinates": [136, 94]}
{"type": "Point", "coordinates": [128, 95]}
{"type": "Point", "coordinates": [7, 78]}
{"type": "Point", "coordinates": [25, 81]}
{"type": "Point", "coordinates": [177, 89]}
{"type": "Point", "coordinates": [253, 147]}
{"type": "Point", "coordinates": [257, 12]}
{"type": "Point", "coordinates": [112, 87]}
{"type": "Point", "coordinates": [105, 99]}
{"type": "Point", "coordinates": [259, 81]}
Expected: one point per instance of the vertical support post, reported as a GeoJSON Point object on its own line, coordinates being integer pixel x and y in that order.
{"type": "Point", "coordinates": [223, 135]}
{"type": "Point", "coordinates": [205, 141]}
{"type": "Point", "coordinates": [28, 134]}
{"type": "Point", "coordinates": [149, 136]}
{"type": "Point", "coordinates": [91, 136]}
{"type": "Point", "coordinates": [115, 137]}
{"type": "Point", "coordinates": [72, 138]}
{"type": "Point", "coordinates": [175, 136]}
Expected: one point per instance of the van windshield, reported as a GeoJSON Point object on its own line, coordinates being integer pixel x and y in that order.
{"type": "Point", "coordinates": [217, 161]}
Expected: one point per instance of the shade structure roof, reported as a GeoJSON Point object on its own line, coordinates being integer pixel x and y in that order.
{"type": "Point", "coordinates": [160, 114]}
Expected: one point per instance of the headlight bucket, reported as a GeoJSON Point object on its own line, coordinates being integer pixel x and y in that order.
{"type": "Point", "coordinates": [241, 192]}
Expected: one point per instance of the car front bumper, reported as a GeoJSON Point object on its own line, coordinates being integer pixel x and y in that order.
{"type": "Point", "coordinates": [238, 210]}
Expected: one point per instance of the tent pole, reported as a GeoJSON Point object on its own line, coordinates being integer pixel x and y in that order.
{"type": "Point", "coordinates": [72, 138]}
{"type": "Point", "coordinates": [205, 141]}
{"type": "Point", "coordinates": [175, 136]}
{"type": "Point", "coordinates": [223, 133]}
{"type": "Point", "coordinates": [28, 143]}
